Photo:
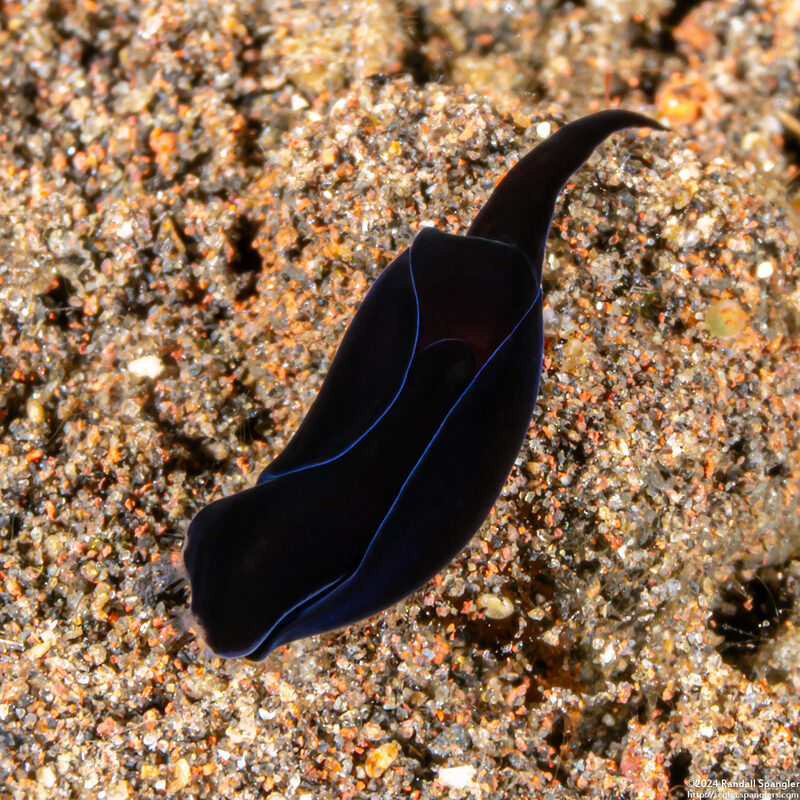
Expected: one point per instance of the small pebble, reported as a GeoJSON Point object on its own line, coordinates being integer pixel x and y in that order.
{"type": "Point", "coordinates": [125, 230]}
{"type": "Point", "coordinates": [551, 321]}
{"type": "Point", "coordinates": [217, 450]}
{"type": "Point", "coordinates": [380, 759]}
{"type": "Point", "coordinates": [726, 318]}
{"type": "Point", "coordinates": [764, 269]}
{"type": "Point", "coordinates": [35, 411]}
{"type": "Point", "coordinates": [456, 777]}
{"type": "Point", "coordinates": [120, 791]}
{"type": "Point", "coordinates": [329, 156]}
{"type": "Point", "coordinates": [298, 102]}
{"type": "Point", "coordinates": [495, 606]}
{"type": "Point", "coordinates": [46, 777]}
{"type": "Point", "coordinates": [146, 367]}
{"type": "Point", "coordinates": [182, 774]}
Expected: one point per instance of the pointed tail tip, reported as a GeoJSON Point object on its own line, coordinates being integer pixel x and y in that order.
{"type": "Point", "coordinates": [627, 119]}
{"type": "Point", "coordinates": [649, 122]}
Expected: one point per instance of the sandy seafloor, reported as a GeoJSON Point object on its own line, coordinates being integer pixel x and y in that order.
{"type": "Point", "coordinates": [194, 198]}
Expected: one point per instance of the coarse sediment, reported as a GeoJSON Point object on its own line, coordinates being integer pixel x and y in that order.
{"type": "Point", "coordinates": [195, 198]}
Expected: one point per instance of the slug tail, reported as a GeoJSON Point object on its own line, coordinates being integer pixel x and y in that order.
{"type": "Point", "coordinates": [521, 208]}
